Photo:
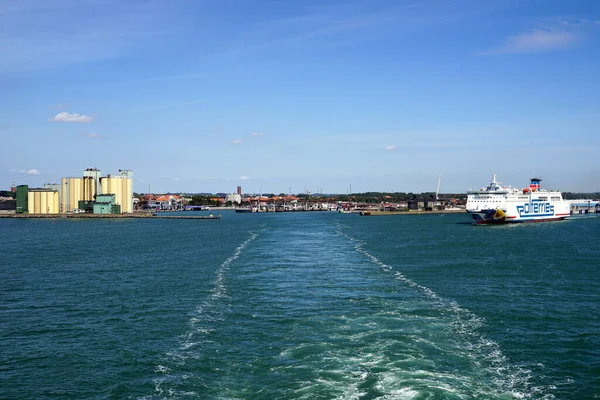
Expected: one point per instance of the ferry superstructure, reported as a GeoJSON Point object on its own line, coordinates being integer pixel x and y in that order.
{"type": "Point", "coordinates": [504, 204]}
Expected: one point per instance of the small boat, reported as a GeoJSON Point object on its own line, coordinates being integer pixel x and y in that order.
{"type": "Point", "coordinates": [245, 210]}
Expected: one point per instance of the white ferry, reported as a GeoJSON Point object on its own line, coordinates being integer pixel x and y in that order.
{"type": "Point", "coordinates": [500, 204]}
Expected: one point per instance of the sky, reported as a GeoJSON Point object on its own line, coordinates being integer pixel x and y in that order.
{"type": "Point", "coordinates": [331, 96]}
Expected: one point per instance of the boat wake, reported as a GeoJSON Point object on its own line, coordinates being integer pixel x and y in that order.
{"type": "Point", "coordinates": [483, 370]}
{"type": "Point", "coordinates": [173, 374]}
{"type": "Point", "coordinates": [220, 290]}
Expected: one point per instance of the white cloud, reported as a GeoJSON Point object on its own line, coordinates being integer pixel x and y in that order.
{"type": "Point", "coordinates": [70, 117]}
{"type": "Point", "coordinates": [244, 178]}
{"type": "Point", "coordinates": [25, 171]}
{"type": "Point", "coordinates": [258, 134]}
{"type": "Point", "coordinates": [390, 148]}
{"type": "Point", "coordinates": [236, 141]}
{"type": "Point", "coordinates": [93, 135]}
{"type": "Point", "coordinates": [536, 41]}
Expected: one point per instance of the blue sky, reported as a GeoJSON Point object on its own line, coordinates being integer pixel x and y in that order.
{"type": "Point", "coordinates": [381, 95]}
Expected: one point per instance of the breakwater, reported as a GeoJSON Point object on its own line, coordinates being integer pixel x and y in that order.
{"type": "Point", "coordinates": [378, 213]}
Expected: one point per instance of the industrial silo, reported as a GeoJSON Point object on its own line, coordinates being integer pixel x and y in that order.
{"type": "Point", "coordinates": [64, 195]}
{"type": "Point", "coordinates": [127, 195]}
{"type": "Point", "coordinates": [89, 188]}
{"type": "Point", "coordinates": [37, 202]}
{"type": "Point", "coordinates": [55, 202]}
{"type": "Point", "coordinates": [22, 205]}
{"type": "Point", "coordinates": [118, 189]}
{"type": "Point", "coordinates": [113, 185]}
{"type": "Point", "coordinates": [75, 192]}
{"type": "Point", "coordinates": [50, 203]}
{"type": "Point", "coordinates": [94, 174]}
{"type": "Point", "coordinates": [30, 202]}
{"type": "Point", "coordinates": [127, 190]}
{"type": "Point", "coordinates": [72, 191]}
{"type": "Point", "coordinates": [43, 202]}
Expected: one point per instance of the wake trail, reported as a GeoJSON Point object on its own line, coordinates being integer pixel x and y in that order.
{"type": "Point", "coordinates": [200, 326]}
{"type": "Point", "coordinates": [484, 353]}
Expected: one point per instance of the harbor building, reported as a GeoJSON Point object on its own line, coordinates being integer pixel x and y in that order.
{"type": "Point", "coordinates": [122, 187]}
{"type": "Point", "coordinates": [74, 190]}
{"type": "Point", "coordinates": [105, 204]}
{"type": "Point", "coordinates": [93, 174]}
{"type": "Point", "coordinates": [37, 200]}
{"type": "Point", "coordinates": [43, 201]}
{"type": "Point", "coordinates": [234, 198]}
{"type": "Point", "coordinates": [127, 190]}
{"type": "Point", "coordinates": [52, 186]}
{"type": "Point", "coordinates": [22, 203]}
{"type": "Point", "coordinates": [78, 195]}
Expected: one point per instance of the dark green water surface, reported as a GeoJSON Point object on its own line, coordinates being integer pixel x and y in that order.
{"type": "Point", "coordinates": [299, 306]}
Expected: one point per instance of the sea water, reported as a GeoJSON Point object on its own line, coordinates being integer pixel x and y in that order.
{"type": "Point", "coordinates": [311, 305]}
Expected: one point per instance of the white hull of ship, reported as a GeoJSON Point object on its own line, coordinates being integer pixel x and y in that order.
{"type": "Point", "coordinates": [495, 204]}
{"type": "Point", "coordinates": [522, 212]}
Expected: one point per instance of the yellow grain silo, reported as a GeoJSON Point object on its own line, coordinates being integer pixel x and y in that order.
{"type": "Point", "coordinates": [104, 185]}
{"type": "Point", "coordinates": [30, 202]}
{"type": "Point", "coordinates": [49, 202]}
{"type": "Point", "coordinates": [104, 182]}
{"type": "Point", "coordinates": [126, 195]}
{"type": "Point", "coordinates": [89, 188]}
{"type": "Point", "coordinates": [75, 192]}
{"type": "Point", "coordinates": [55, 202]}
{"type": "Point", "coordinates": [72, 192]}
{"type": "Point", "coordinates": [113, 185]}
{"type": "Point", "coordinates": [118, 185]}
{"type": "Point", "coordinates": [37, 202]}
{"type": "Point", "coordinates": [64, 195]}
{"type": "Point", "coordinates": [130, 194]}
{"type": "Point", "coordinates": [43, 203]}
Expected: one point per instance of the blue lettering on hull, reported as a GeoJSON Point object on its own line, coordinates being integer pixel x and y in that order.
{"type": "Point", "coordinates": [536, 209]}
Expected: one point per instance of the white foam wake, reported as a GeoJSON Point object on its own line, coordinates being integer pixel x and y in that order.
{"type": "Point", "coordinates": [220, 290]}
{"type": "Point", "coordinates": [486, 354]}
{"type": "Point", "coordinates": [199, 327]}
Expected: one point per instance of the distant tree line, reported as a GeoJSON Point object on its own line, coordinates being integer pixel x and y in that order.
{"type": "Point", "coordinates": [385, 197]}
{"type": "Point", "coordinates": [590, 196]}
{"type": "Point", "coordinates": [204, 201]}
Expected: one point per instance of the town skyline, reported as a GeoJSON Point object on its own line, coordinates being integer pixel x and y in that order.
{"type": "Point", "coordinates": [384, 96]}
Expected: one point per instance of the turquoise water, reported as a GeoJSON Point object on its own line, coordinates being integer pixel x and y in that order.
{"type": "Point", "coordinates": [299, 306]}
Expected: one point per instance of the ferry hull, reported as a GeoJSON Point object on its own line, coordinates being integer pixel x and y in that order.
{"type": "Point", "coordinates": [493, 216]}
{"type": "Point", "coordinates": [497, 216]}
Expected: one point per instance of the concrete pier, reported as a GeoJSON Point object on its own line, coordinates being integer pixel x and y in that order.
{"type": "Point", "coordinates": [377, 213]}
